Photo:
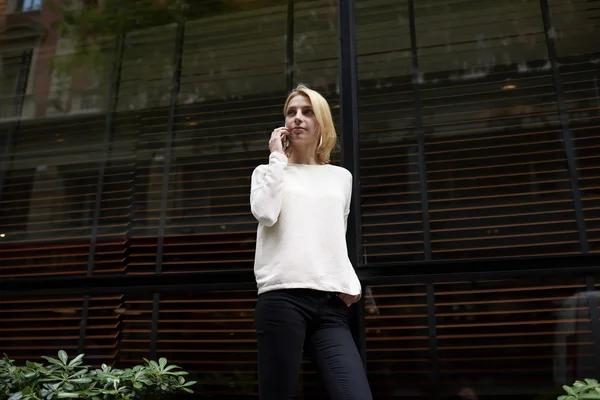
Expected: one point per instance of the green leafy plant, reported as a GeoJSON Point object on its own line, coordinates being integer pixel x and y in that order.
{"type": "Point", "coordinates": [64, 379]}
{"type": "Point", "coordinates": [588, 389]}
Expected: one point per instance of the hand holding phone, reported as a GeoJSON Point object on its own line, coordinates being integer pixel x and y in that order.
{"type": "Point", "coordinates": [278, 137]}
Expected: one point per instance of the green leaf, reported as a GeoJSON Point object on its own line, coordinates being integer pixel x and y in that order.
{"type": "Point", "coordinates": [79, 373]}
{"type": "Point", "coordinates": [190, 383]}
{"type": "Point", "coordinates": [67, 395]}
{"type": "Point", "coordinates": [163, 362]}
{"type": "Point", "coordinates": [81, 380]}
{"type": "Point", "coordinates": [138, 385]}
{"type": "Point", "coordinates": [76, 360]}
{"type": "Point", "coordinates": [187, 390]}
{"type": "Point", "coordinates": [52, 361]}
{"type": "Point", "coordinates": [569, 390]}
{"type": "Point", "coordinates": [589, 396]}
{"type": "Point", "coordinates": [591, 382]}
{"type": "Point", "coordinates": [16, 396]}
{"type": "Point", "coordinates": [178, 373]}
{"type": "Point", "coordinates": [62, 355]}
{"type": "Point", "coordinates": [170, 367]}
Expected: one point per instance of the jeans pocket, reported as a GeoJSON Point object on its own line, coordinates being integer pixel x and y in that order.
{"type": "Point", "coordinates": [340, 301]}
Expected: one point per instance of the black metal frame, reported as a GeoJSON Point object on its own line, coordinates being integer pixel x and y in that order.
{"type": "Point", "coordinates": [111, 107]}
{"type": "Point", "coordinates": [567, 138]}
{"type": "Point", "coordinates": [20, 92]}
{"type": "Point", "coordinates": [416, 77]}
{"type": "Point", "coordinates": [175, 86]}
{"type": "Point", "coordinates": [289, 50]}
{"type": "Point", "coordinates": [348, 77]}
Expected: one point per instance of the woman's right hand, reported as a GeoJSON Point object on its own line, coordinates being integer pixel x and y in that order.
{"type": "Point", "coordinates": [276, 141]}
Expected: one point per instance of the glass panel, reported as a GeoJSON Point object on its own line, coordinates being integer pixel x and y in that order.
{"type": "Point", "coordinates": [513, 338]}
{"type": "Point", "coordinates": [496, 168]}
{"type": "Point", "coordinates": [576, 31]}
{"type": "Point", "coordinates": [389, 176]}
{"type": "Point", "coordinates": [397, 337]}
{"type": "Point", "coordinates": [35, 325]}
{"type": "Point", "coordinates": [495, 339]}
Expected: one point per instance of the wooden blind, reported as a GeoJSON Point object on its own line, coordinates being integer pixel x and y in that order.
{"type": "Point", "coordinates": [135, 316]}
{"type": "Point", "coordinates": [390, 190]}
{"type": "Point", "coordinates": [497, 177]}
{"type": "Point", "coordinates": [316, 44]}
{"type": "Point", "coordinates": [48, 197]}
{"type": "Point", "coordinates": [34, 326]}
{"type": "Point", "coordinates": [397, 337]}
{"type": "Point", "coordinates": [212, 336]}
{"type": "Point", "coordinates": [578, 57]}
{"type": "Point", "coordinates": [103, 329]}
{"type": "Point", "coordinates": [117, 207]}
{"type": "Point", "coordinates": [132, 196]}
{"type": "Point", "coordinates": [497, 337]}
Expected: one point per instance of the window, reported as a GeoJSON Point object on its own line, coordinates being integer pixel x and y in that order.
{"type": "Point", "coordinates": [29, 5]}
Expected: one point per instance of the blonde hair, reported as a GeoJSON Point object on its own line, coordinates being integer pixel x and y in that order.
{"type": "Point", "coordinates": [326, 129]}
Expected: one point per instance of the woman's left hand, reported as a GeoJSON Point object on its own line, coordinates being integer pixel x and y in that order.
{"type": "Point", "coordinates": [349, 299]}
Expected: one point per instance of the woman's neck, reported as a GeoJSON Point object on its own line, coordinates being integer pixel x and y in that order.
{"type": "Point", "coordinates": [308, 159]}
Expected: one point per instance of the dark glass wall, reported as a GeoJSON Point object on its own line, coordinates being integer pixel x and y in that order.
{"type": "Point", "coordinates": [471, 129]}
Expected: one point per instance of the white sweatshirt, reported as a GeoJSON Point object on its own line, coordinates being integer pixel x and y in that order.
{"type": "Point", "coordinates": [302, 212]}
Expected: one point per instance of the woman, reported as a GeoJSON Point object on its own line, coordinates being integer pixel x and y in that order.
{"type": "Point", "coordinates": [305, 280]}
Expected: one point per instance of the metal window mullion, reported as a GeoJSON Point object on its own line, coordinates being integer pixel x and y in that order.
{"type": "Point", "coordinates": [567, 138]}
{"type": "Point", "coordinates": [289, 59]}
{"type": "Point", "coordinates": [175, 86]}
{"type": "Point", "coordinates": [416, 78]}
{"type": "Point", "coordinates": [348, 77]}
{"type": "Point", "coordinates": [113, 89]}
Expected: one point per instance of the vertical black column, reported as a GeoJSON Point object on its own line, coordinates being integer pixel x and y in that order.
{"type": "Point", "coordinates": [595, 319]}
{"type": "Point", "coordinates": [431, 316]}
{"type": "Point", "coordinates": [175, 85]}
{"type": "Point", "coordinates": [433, 345]}
{"type": "Point", "coordinates": [289, 53]}
{"type": "Point", "coordinates": [111, 106]}
{"type": "Point", "coordinates": [20, 92]}
{"type": "Point", "coordinates": [567, 138]}
{"type": "Point", "coordinates": [348, 78]}
{"type": "Point", "coordinates": [154, 328]}
{"type": "Point", "coordinates": [416, 77]}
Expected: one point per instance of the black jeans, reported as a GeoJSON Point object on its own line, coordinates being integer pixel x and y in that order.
{"type": "Point", "coordinates": [290, 321]}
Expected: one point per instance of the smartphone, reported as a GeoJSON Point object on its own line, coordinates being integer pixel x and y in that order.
{"type": "Point", "coordinates": [285, 142]}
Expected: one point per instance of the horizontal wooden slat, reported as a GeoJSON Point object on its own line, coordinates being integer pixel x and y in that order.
{"type": "Point", "coordinates": [33, 326]}
{"type": "Point", "coordinates": [518, 336]}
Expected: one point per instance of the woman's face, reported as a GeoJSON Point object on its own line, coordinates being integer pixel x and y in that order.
{"type": "Point", "coordinates": [300, 120]}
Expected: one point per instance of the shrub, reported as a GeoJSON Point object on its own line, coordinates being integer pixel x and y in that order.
{"type": "Point", "coordinates": [64, 379]}
{"type": "Point", "coordinates": [589, 389]}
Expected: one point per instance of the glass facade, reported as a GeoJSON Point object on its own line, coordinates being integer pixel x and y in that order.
{"type": "Point", "coordinates": [129, 132]}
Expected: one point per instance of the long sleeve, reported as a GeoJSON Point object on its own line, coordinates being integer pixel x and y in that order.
{"type": "Point", "coordinates": [266, 191]}
{"type": "Point", "coordinates": [348, 201]}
